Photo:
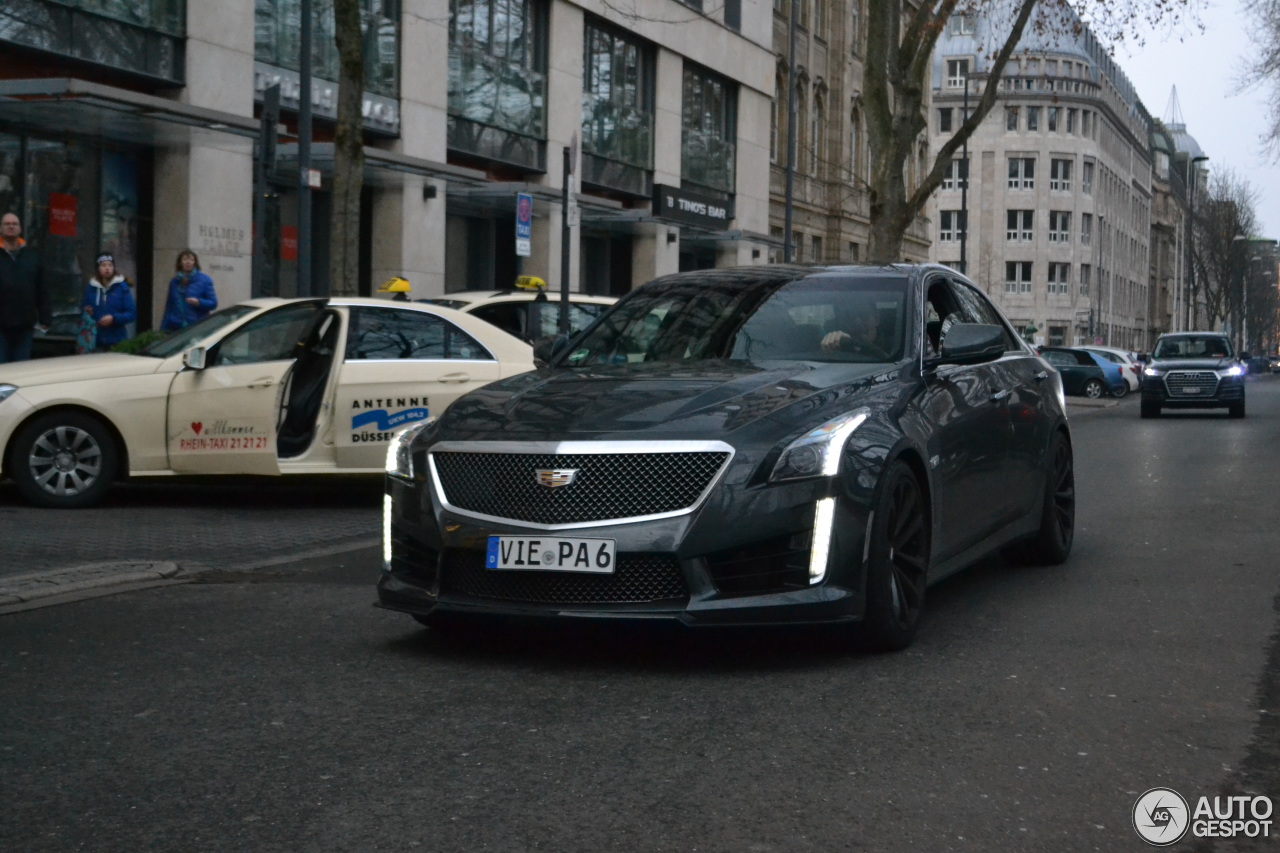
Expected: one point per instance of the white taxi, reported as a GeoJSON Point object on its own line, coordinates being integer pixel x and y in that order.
{"type": "Point", "coordinates": [271, 386]}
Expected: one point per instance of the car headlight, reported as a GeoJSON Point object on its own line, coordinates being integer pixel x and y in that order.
{"type": "Point", "coordinates": [1233, 370]}
{"type": "Point", "coordinates": [1151, 371]}
{"type": "Point", "coordinates": [6, 391]}
{"type": "Point", "coordinates": [399, 460]}
{"type": "Point", "coordinates": [817, 452]}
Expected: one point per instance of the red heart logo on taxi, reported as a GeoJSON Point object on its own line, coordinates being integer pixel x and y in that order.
{"type": "Point", "coordinates": [196, 426]}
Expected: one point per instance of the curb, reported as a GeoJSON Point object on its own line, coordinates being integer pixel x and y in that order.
{"type": "Point", "coordinates": [38, 589]}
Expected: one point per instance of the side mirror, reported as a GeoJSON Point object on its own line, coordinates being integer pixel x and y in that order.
{"type": "Point", "coordinates": [546, 349]}
{"type": "Point", "coordinates": [972, 343]}
{"type": "Point", "coordinates": [194, 358]}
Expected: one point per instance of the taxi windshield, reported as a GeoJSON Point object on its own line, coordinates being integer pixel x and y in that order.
{"type": "Point", "coordinates": [190, 335]}
{"type": "Point", "coordinates": [820, 318]}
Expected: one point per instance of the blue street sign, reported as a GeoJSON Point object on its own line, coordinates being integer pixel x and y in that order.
{"type": "Point", "coordinates": [524, 224]}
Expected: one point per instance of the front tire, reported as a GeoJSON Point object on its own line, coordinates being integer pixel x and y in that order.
{"type": "Point", "coordinates": [897, 563]}
{"type": "Point", "coordinates": [64, 460]}
{"type": "Point", "coordinates": [1236, 410]}
{"type": "Point", "coordinates": [1093, 389]}
{"type": "Point", "coordinates": [1052, 542]}
{"type": "Point", "coordinates": [1150, 410]}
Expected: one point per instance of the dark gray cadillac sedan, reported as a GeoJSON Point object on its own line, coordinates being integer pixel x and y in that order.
{"type": "Point", "coordinates": [762, 445]}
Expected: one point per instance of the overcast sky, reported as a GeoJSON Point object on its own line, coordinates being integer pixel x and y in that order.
{"type": "Point", "coordinates": [1226, 123]}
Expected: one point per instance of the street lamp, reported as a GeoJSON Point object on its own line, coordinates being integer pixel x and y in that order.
{"type": "Point", "coordinates": [1192, 180]}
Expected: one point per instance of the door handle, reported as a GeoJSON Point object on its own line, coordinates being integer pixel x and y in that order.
{"type": "Point", "coordinates": [454, 378]}
{"type": "Point", "coordinates": [1000, 396]}
{"type": "Point", "coordinates": [264, 382]}
{"type": "Point", "coordinates": [1042, 376]}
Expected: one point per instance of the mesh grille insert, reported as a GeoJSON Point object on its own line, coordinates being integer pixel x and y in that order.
{"type": "Point", "coordinates": [606, 486]}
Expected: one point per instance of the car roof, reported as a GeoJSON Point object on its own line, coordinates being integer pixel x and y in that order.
{"type": "Point", "coordinates": [474, 296]}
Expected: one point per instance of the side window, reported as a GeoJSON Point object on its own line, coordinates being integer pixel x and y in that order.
{"type": "Point", "coordinates": [1059, 359]}
{"type": "Point", "coordinates": [580, 316]}
{"type": "Point", "coordinates": [391, 333]}
{"type": "Point", "coordinates": [510, 317]}
{"type": "Point", "coordinates": [941, 312]}
{"type": "Point", "coordinates": [977, 309]}
{"type": "Point", "coordinates": [271, 337]}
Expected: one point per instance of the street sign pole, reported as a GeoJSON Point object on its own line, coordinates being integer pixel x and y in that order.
{"type": "Point", "coordinates": [570, 157]}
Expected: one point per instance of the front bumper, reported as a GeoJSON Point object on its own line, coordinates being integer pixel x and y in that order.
{"type": "Point", "coordinates": [1224, 392]}
{"type": "Point", "coordinates": [695, 569]}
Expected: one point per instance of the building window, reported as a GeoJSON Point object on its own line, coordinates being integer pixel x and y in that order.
{"type": "Point", "coordinates": [1086, 228]}
{"type": "Point", "coordinates": [1052, 116]}
{"type": "Point", "coordinates": [816, 160]}
{"type": "Point", "coordinates": [855, 13]}
{"type": "Point", "coordinates": [1010, 118]}
{"type": "Point", "coordinates": [1085, 273]}
{"type": "Point", "coordinates": [1060, 175]}
{"type": "Point", "coordinates": [775, 117]}
{"type": "Point", "coordinates": [854, 252]}
{"type": "Point", "coordinates": [952, 225]}
{"type": "Point", "coordinates": [803, 20]}
{"type": "Point", "coordinates": [957, 175]}
{"type": "Point", "coordinates": [1071, 120]}
{"type": "Point", "coordinates": [1057, 336]}
{"type": "Point", "coordinates": [961, 25]}
{"type": "Point", "coordinates": [1018, 225]}
{"type": "Point", "coordinates": [1017, 277]}
{"type": "Point", "coordinates": [1059, 226]}
{"type": "Point", "coordinates": [617, 102]}
{"type": "Point", "coordinates": [497, 79]}
{"type": "Point", "coordinates": [1059, 277]}
{"type": "Point", "coordinates": [820, 18]}
{"type": "Point", "coordinates": [859, 171]}
{"type": "Point", "coordinates": [708, 138]}
{"type": "Point", "coordinates": [944, 120]}
{"type": "Point", "coordinates": [797, 246]}
{"type": "Point", "coordinates": [957, 73]}
{"type": "Point", "coordinates": [958, 266]}
{"type": "Point", "coordinates": [1033, 118]}
{"type": "Point", "coordinates": [277, 38]}
{"type": "Point", "coordinates": [815, 249]}
{"type": "Point", "coordinates": [1022, 173]}
{"type": "Point", "coordinates": [1086, 179]}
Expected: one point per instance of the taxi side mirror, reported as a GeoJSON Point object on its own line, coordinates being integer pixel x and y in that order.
{"type": "Point", "coordinates": [194, 358]}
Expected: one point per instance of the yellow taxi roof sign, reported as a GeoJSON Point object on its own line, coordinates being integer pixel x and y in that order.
{"type": "Point", "coordinates": [395, 284]}
{"type": "Point", "coordinates": [530, 282]}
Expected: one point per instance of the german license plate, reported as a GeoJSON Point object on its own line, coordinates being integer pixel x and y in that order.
{"type": "Point", "coordinates": [1190, 390]}
{"type": "Point", "coordinates": [550, 554]}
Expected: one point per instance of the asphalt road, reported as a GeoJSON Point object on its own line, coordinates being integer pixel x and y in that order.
{"type": "Point", "coordinates": [275, 709]}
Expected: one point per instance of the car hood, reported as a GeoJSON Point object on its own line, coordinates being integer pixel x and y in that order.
{"type": "Point", "coordinates": [709, 400]}
{"type": "Point", "coordinates": [1192, 363]}
{"type": "Point", "coordinates": [77, 368]}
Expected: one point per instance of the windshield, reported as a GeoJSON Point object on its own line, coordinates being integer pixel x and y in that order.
{"type": "Point", "coordinates": [186, 337]}
{"type": "Point", "coordinates": [1193, 346]}
{"type": "Point", "coordinates": [822, 318]}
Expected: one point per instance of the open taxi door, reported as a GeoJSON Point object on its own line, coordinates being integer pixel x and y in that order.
{"type": "Point", "coordinates": [225, 405]}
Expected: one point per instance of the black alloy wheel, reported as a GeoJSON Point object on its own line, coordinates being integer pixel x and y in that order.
{"type": "Point", "coordinates": [64, 460]}
{"type": "Point", "coordinates": [1051, 544]}
{"type": "Point", "coordinates": [898, 562]}
{"type": "Point", "coordinates": [1093, 389]}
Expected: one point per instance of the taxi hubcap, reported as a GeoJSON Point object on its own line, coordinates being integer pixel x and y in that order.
{"type": "Point", "coordinates": [65, 461]}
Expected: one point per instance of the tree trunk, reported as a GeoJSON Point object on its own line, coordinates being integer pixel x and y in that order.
{"type": "Point", "coordinates": [348, 152]}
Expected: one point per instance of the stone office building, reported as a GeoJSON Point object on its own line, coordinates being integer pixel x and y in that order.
{"type": "Point", "coordinates": [1056, 222]}
{"type": "Point", "coordinates": [133, 126]}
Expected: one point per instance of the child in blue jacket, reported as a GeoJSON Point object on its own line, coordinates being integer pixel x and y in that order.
{"type": "Point", "coordinates": [109, 300]}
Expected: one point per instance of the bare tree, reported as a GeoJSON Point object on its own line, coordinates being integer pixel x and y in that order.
{"type": "Point", "coordinates": [1220, 247]}
{"type": "Point", "coordinates": [1261, 66]}
{"type": "Point", "coordinates": [901, 37]}
{"type": "Point", "coordinates": [348, 152]}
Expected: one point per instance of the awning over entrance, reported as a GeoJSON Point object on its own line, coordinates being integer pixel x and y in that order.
{"type": "Point", "coordinates": [382, 168]}
{"type": "Point", "coordinates": [68, 105]}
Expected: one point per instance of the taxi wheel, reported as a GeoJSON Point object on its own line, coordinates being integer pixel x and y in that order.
{"type": "Point", "coordinates": [64, 460]}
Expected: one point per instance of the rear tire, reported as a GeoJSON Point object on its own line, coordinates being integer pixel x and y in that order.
{"type": "Point", "coordinates": [1150, 410]}
{"type": "Point", "coordinates": [1123, 392]}
{"type": "Point", "coordinates": [1052, 543]}
{"type": "Point", "coordinates": [63, 460]}
{"type": "Point", "coordinates": [1236, 410]}
{"type": "Point", "coordinates": [1093, 389]}
{"type": "Point", "coordinates": [897, 562]}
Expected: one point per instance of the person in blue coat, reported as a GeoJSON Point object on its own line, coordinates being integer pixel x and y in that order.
{"type": "Point", "coordinates": [191, 296]}
{"type": "Point", "coordinates": [109, 301]}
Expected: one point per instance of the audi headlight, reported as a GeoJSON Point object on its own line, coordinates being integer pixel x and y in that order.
{"type": "Point", "coordinates": [1233, 370]}
{"type": "Point", "coordinates": [1151, 371]}
{"type": "Point", "coordinates": [399, 460]}
{"type": "Point", "coordinates": [817, 452]}
{"type": "Point", "coordinates": [6, 391]}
